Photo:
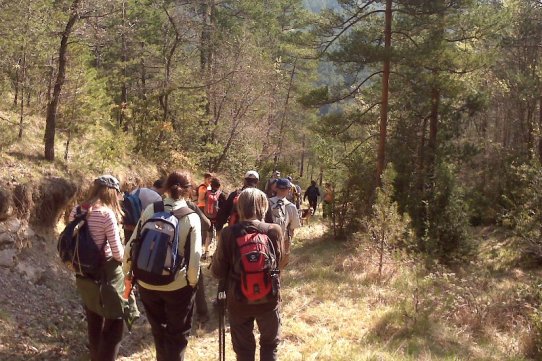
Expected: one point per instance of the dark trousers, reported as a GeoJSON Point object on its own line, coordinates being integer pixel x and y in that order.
{"type": "Point", "coordinates": [104, 336]}
{"type": "Point", "coordinates": [242, 335]}
{"type": "Point", "coordinates": [313, 203]}
{"type": "Point", "coordinates": [170, 316]}
{"type": "Point", "coordinates": [201, 303]}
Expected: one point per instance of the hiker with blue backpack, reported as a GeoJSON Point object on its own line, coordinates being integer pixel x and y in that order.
{"type": "Point", "coordinates": [246, 262]}
{"type": "Point", "coordinates": [133, 204]}
{"type": "Point", "coordinates": [95, 255]}
{"type": "Point", "coordinates": [163, 257]}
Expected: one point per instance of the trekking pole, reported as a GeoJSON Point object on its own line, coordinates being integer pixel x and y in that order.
{"type": "Point", "coordinates": [221, 297]}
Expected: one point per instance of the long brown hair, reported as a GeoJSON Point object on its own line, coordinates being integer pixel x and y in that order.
{"type": "Point", "coordinates": [106, 196]}
{"type": "Point", "coordinates": [178, 185]}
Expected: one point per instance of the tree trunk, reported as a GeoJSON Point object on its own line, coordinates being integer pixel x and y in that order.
{"type": "Point", "coordinates": [52, 107]}
{"type": "Point", "coordinates": [302, 157]}
{"type": "Point", "coordinates": [23, 78]}
{"type": "Point", "coordinates": [540, 127]}
{"type": "Point", "coordinates": [216, 166]}
{"type": "Point", "coordinates": [433, 129]}
{"type": "Point", "coordinates": [50, 80]}
{"type": "Point", "coordinates": [143, 73]}
{"type": "Point", "coordinates": [123, 88]}
{"type": "Point", "coordinates": [321, 176]}
{"type": "Point", "coordinates": [381, 156]}
{"type": "Point", "coordinates": [205, 38]}
{"type": "Point", "coordinates": [164, 98]}
{"type": "Point", "coordinates": [530, 128]}
{"type": "Point", "coordinates": [285, 111]}
{"type": "Point", "coordinates": [16, 90]}
{"type": "Point", "coordinates": [421, 156]}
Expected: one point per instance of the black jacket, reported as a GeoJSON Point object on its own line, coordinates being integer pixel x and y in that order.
{"type": "Point", "coordinates": [312, 193]}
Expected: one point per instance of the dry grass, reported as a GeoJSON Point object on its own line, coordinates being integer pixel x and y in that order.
{"type": "Point", "coordinates": [21, 160]}
{"type": "Point", "coordinates": [334, 308]}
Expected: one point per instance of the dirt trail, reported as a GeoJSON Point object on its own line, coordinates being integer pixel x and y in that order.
{"type": "Point", "coordinates": [41, 317]}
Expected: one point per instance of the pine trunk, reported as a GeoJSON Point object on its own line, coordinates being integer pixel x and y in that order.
{"type": "Point", "coordinates": [381, 155]}
{"type": "Point", "coordinates": [52, 107]}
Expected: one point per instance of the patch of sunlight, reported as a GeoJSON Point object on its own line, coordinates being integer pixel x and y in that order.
{"type": "Point", "coordinates": [310, 232]}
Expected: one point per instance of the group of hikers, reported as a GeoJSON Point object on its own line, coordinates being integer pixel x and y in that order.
{"type": "Point", "coordinates": [168, 229]}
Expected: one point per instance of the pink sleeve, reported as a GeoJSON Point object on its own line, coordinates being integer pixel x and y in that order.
{"type": "Point", "coordinates": [112, 234]}
{"type": "Point", "coordinates": [72, 213]}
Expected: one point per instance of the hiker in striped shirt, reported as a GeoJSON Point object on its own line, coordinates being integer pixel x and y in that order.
{"type": "Point", "coordinates": [103, 299]}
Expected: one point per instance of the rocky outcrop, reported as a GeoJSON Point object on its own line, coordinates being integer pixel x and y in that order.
{"type": "Point", "coordinates": [27, 211]}
{"type": "Point", "coordinates": [12, 240]}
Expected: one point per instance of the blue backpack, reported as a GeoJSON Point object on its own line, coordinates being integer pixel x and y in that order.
{"type": "Point", "coordinates": [131, 206]}
{"type": "Point", "coordinates": [156, 259]}
{"type": "Point", "coordinates": [77, 249]}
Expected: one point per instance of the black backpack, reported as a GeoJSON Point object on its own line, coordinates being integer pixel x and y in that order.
{"type": "Point", "coordinates": [77, 249]}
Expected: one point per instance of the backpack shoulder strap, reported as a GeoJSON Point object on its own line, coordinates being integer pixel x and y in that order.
{"type": "Point", "coordinates": [158, 206]}
{"type": "Point", "coordinates": [182, 212]}
{"type": "Point", "coordinates": [264, 227]}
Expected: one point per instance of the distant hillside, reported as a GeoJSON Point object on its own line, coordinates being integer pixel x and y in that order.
{"type": "Point", "coordinates": [317, 5]}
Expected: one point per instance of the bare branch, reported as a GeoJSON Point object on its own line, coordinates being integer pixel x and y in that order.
{"type": "Point", "coordinates": [352, 92]}
{"type": "Point", "coordinates": [354, 20]}
{"type": "Point", "coordinates": [356, 119]}
{"type": "Point", "coordinates": [355, 148]}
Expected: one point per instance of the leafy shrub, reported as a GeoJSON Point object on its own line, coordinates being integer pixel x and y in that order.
{"type": "Point", "coordinates": [524, 211]}
{"type": "Point", "coordinates": [445, 227]}
{"type": "Point", "coordinates": [8, 134]}
{"type": "Point", "coordinates": [387, 227]}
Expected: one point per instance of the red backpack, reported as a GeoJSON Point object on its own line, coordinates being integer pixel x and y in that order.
{"type": "Point", "coordinates": [255, 265]}
{"type": "Point", "coordinates": [211, 203]}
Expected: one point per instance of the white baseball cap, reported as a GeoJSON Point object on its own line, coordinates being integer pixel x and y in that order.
{"type": "Point", "coordinates": [252, 174]}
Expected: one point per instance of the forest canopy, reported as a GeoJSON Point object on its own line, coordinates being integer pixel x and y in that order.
{"type": "Point", "coordinates": [446, 94]}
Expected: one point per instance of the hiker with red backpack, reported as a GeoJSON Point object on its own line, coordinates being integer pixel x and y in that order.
{"type": "Point", "coordinates": [163, 257]}
{"type": "Point", "coordinates": [247, 261]}
{"type": "Point", "coordinates": [101, 289]}
{"type": "Point", "coordinates": [214, 200]}
{"type": "Point", "coordinates": [228, 213]}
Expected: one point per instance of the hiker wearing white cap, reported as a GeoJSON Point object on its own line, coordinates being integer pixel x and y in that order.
{"type": "Point", "coordinates": [228, 213]}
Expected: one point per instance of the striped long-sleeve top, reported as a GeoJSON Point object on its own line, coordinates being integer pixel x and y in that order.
{"type": "Point", "coordinates": [104, 228]}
